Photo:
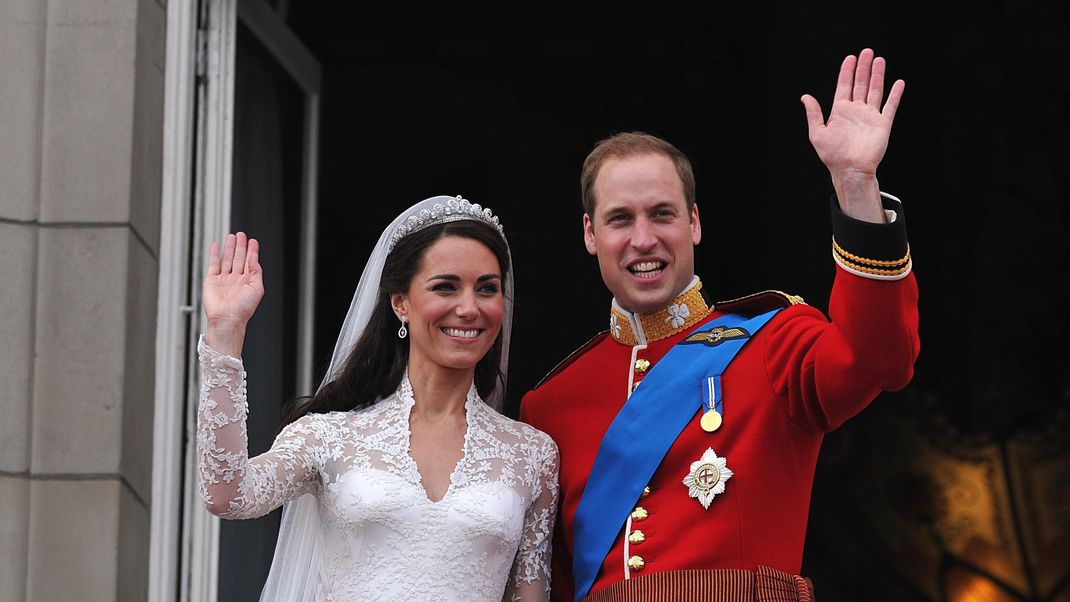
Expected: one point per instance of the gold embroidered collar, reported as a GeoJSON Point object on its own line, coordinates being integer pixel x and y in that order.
{"type": "Point", "coordinates": [683, 312]}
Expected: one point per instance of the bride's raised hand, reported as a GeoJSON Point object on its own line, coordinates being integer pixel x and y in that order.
{"type": "Point", "coordinates": [233, 288]}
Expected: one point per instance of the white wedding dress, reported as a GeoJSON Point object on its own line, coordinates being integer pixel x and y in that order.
{"type": "Point", "coordinates": [379, 536]}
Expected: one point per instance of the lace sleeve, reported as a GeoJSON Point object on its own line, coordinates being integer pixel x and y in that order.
{"type": "Point", "coordinates": [232, 485]}
{"type": "Point", "coordinates": [530, 577]}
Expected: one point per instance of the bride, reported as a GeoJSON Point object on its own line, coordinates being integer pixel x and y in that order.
{"type": "Point", "coordinates": [400, 482]}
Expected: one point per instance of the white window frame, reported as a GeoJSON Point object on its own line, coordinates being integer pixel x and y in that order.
{"type": "Point", "coordinates": [195, 208]}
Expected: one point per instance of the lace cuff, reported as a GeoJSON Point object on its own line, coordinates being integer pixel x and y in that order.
{"type": "Point", "coordinates": [207, 354]}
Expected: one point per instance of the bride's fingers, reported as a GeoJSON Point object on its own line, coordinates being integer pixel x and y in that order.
{"type": "Point", "coordinates": [252, 259]}
{"type": "Point", "coordinates": [240, 244]}
{"type": "Point", "coordinates": [227, 262]}
{"type": "Point", "coordinates": [213, 259]}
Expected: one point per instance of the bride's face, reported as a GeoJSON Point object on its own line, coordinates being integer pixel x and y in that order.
{"type": "Point", "coordinates": [454, 305]}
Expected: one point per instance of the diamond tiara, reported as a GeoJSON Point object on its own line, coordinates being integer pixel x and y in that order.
{"type": "Point", "coordinates": [452, 210]}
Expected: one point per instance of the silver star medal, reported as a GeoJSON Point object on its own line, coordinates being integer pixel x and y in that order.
{"type": "Point", "coordinates": [707, 477]}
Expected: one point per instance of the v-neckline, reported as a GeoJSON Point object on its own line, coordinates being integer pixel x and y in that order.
{"type": "Point", "coordinates": [405, 394]}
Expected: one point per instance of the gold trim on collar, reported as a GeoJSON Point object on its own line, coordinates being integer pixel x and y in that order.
{"type": "Point", "coordinates": [684, 312]}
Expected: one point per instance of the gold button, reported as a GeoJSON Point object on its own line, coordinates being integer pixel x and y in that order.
{"type": "Point", "coordinates": [639, 513]}
{"type": "Point", "coordinates": [646, 492]}
{"type": "Point", "coordinates": [636, 563]}
{"type": "Point", "coordinates": [636, 537]}
{"type": "Point", "coordinates": [641, 366]}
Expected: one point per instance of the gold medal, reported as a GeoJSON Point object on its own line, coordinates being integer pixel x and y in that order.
{"type": "Point", "coordinates": [711, 402]}
{"type": "Point", "coordinates": [711, 421]}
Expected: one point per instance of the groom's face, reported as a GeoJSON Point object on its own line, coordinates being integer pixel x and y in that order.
{"type": "Point", "coordinates": [642, 231]}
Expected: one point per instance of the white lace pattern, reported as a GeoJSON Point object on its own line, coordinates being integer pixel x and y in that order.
{"type": "Point", "coordinates": [488, 538]}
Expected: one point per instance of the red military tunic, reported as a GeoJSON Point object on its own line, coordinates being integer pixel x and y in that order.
{"type": "Point", "coordinates": [801, 376]}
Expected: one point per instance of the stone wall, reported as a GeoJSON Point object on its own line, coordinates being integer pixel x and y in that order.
{"type": "Point", "coordinates": [81, 112]}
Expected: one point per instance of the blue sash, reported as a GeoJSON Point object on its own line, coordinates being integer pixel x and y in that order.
{"type": "Point", "coordinates": [642, 433]}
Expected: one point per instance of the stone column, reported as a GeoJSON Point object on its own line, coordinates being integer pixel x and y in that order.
{"type": "Point", "coordinates": [81, 110]}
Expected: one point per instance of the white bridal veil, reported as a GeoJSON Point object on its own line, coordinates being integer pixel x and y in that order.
{"type": "Point", "coordinates": [296, 569]}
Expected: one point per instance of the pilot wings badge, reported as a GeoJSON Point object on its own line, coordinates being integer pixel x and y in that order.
{"type": "Point", "coordinates": [715, 336]}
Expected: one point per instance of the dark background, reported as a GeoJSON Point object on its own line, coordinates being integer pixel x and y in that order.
{"type": "Point", "coordinates": [954, 489]}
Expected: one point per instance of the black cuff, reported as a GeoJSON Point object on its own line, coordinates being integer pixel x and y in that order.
{"type": "Point", "coordinates": [871, 250]}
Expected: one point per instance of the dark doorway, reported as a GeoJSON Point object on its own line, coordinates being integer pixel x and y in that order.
{"type": "Point", "coordinates": [266, 201]}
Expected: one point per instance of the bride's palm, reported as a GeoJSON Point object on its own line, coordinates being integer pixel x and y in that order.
{"type": "Point", "coordinates": [234, 284]}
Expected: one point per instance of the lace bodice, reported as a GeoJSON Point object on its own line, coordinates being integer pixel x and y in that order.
{"type": "Point", "coordinates": [382, 538]}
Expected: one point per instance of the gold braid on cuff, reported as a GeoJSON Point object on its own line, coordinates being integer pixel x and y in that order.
{"type": "Point", "coordinates": [877, 267]}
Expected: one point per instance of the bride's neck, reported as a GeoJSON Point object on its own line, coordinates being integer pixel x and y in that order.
{"type": "Point", "coordinates": [439, 391]}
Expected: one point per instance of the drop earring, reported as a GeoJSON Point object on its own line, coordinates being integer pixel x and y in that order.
{"type": "Point", "coordinates": [403, 332]}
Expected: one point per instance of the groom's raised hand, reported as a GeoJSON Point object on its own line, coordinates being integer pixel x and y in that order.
{"type": "Point", "coordinates": [854, 139]}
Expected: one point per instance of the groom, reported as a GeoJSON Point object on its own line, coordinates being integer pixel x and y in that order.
{"type": "Point", "coordinates": [689, 431]}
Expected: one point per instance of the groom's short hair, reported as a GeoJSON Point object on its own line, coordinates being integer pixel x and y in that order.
{"type": "Point", "coordinates": [632, 144]}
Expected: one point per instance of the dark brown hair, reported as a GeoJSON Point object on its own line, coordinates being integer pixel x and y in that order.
{"type": "Point", "coordinates": [631, 144]}
{"type": "Point", "coordinates": [378, 360]}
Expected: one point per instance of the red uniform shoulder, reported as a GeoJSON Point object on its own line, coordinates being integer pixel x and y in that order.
{"type": "Point", "coordinates": [759, 303]}
{"type": "Point", "coordinates": [565, 363]}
